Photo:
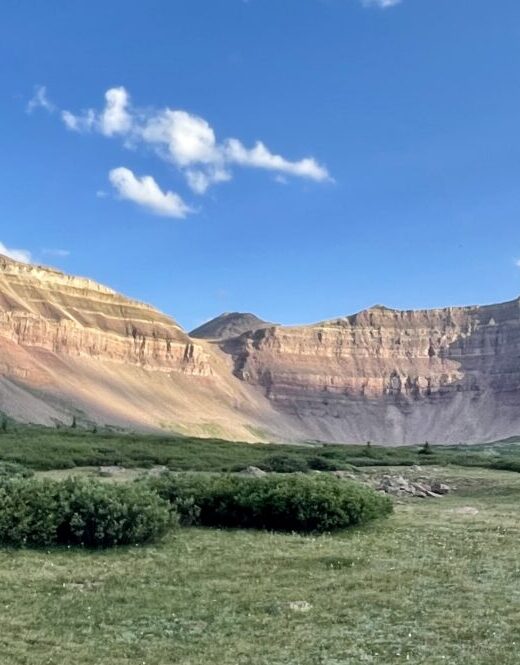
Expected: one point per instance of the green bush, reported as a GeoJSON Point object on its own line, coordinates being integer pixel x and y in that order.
{"type": "Point", "coordinates": [11, 469]}
{"type": "Point", "coordinates": [276, 503]}
{"type": "Point", "coordinates": [285, 464]}
{"type": "Point", "coordinates": [319, 463]}
{"type": "Point", "coordinates": [76, 512]}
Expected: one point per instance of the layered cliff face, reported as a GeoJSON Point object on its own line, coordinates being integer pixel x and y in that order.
{"type": "Point", "coordinates": [401, 376]}
{"type": "Point", "coordinates": [44, 308]}
{"type": "Point", "coordinates": [69, 346]}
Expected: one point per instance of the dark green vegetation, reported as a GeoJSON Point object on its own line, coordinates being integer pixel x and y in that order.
{"type": "Point", "coordinates": [42, 448]}
{"type": "Point", "coordinates": [434, 584]}
{"type": "Point", "coordinates": [277, 503]}
{"type": "Point", "coordinates": [41, 513]}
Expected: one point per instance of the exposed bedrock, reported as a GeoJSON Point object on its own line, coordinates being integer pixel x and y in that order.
{"type": "Point", "coordinates": [44, 308]}
{"type": "Point", "coordinates": [448, 374]}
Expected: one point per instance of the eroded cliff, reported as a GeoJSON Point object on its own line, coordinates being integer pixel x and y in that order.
{"type": "Point", "coordinates": [402, 376]}
{"type": "Point", "coordinates": [41, 307]}
{"type": "Point", "coordinates": [71, 346]}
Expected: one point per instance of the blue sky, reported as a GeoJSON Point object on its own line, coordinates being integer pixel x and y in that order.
{"type": "Point", "coordinates": [300, 159]}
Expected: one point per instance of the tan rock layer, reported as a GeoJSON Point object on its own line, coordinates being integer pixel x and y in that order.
{"type": "Point", "coordinates": [44, 308]}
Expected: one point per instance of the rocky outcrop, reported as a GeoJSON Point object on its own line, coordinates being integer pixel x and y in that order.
{"type": "Point", "coordinates": [228, 325]}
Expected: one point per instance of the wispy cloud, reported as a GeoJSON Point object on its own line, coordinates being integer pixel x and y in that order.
{"type": "Point", "coordinates": [187, 141]}
{"type": "Point", "coordinates": [146, 192]}
{"type": "Point", "coordinates": [59, 253]}
{"type": "Point", "coordinates": [22, 255]}
{"type": "Point", "coordinates": [382, 4]}
{"type": "Point", "coordinates": [40, 100]}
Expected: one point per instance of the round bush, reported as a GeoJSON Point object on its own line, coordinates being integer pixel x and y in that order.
{"type": "Point", "coordinates": [76, 512]}
{"type": "Point", "coordinates": [319, 463]}
{"type": "Point", "coordinates": [285, 464]}
{"type": "Point", "coordinates": [289, 503]}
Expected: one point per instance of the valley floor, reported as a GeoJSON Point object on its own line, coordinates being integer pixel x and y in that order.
{"type": "Point", "coordinates": [437, 583]}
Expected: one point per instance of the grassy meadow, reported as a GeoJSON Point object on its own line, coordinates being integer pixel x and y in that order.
{"type": "Point", "coordinates": [438, 582]}
{"type": "Point", "coordinates": [44, 449]}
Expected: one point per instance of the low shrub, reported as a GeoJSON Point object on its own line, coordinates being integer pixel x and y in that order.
{"type": "Point", "coordinates": [319, 463]}
{"type": "Point", "coordinates": [76, 512]}
{"type": "Point", "coordinates": [275, 503]}
{"type": "Point", "coordinates": [11, 470]}
{"type": "Point", "coordinates": [506, 464]}
{"type": "Point", "coordinates": [285, 464]}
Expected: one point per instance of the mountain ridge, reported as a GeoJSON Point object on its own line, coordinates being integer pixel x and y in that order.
{"type": "Point", "coordinates": [70, 346]}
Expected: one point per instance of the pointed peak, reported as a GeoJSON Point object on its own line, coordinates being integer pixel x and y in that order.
{"type": "Point", "coordinates": [228, 325]}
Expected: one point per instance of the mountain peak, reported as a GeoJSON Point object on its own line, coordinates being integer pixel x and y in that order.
{"type": "Point", "coordinates": [228, 325]}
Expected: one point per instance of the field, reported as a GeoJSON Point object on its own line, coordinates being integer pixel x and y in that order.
{"type": "Point", "coordinates": [436, 583]}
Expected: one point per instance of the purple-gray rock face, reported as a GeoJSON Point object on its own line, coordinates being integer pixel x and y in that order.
{"type": "Point", "coordinates": [393, 376]}
{"type": "Point", "coordinates": [71, 346]}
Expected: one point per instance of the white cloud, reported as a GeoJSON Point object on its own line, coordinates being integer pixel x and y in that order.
{"type": "Point", "coordinates": [187, 141]}
{"type": "Point", "coordinates": [187, 138]}
{"type": "Point", "coordinates": [260, 157]}
{"type": "Point", "coordinates": [40, 100]}
{"type": "Point", "coordinates": [114, 119]}
{"type": "Point", "coordinates": [383, 4]}
{"type": "Point", "coordinates": [146, 192]}
{"type": "Point", "coordinates": [22, 255]}
{"type": "Point", "coordinates": [517, 263]}
{"type": "Point", "coordinates": [61, 253]}
{"type": "Point", "coordinates": [79, 123]}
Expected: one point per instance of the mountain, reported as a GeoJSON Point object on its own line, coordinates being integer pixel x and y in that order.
{"type": "Point", "coordinates": [71, 347]}
{"type": "Point", "coordinates": [446, 375]}
{"type": "Point", "coordinates": [227, 325]}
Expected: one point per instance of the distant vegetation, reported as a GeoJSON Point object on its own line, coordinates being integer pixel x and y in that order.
{"type": "Point", "coordinates": [41, 448]}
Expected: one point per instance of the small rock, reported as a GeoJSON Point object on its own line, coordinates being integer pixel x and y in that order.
{"type": "Point", "coordinates": [157, 471]}
{"type": "Point", "coordinates": [466, 510]}
{"type": "Point", "coordinates": [344, 474]}
{"type": "Point", "coordinates": [253, 472]}
{"type": "Point", "coordinates": [109, 471]}
{"type": "Point", "coordinates": [440, 488]}
{"type": "Point", "coordinates": [299, 606]}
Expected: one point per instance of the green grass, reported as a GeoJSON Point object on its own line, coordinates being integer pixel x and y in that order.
{"type": "Point", "coordinates": [428, 586]}
{"type": "Point", "coordinates": [42, 448]}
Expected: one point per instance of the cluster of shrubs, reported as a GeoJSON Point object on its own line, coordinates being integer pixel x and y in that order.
{"type": "Point", "coordinates": [40, 513]}
{"type": "Point", "coordinates": [298, 464]}
{"type": "Point", "coordinates": [291, 503]}
{"type": "Point", "coordinates": [78, 512]}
